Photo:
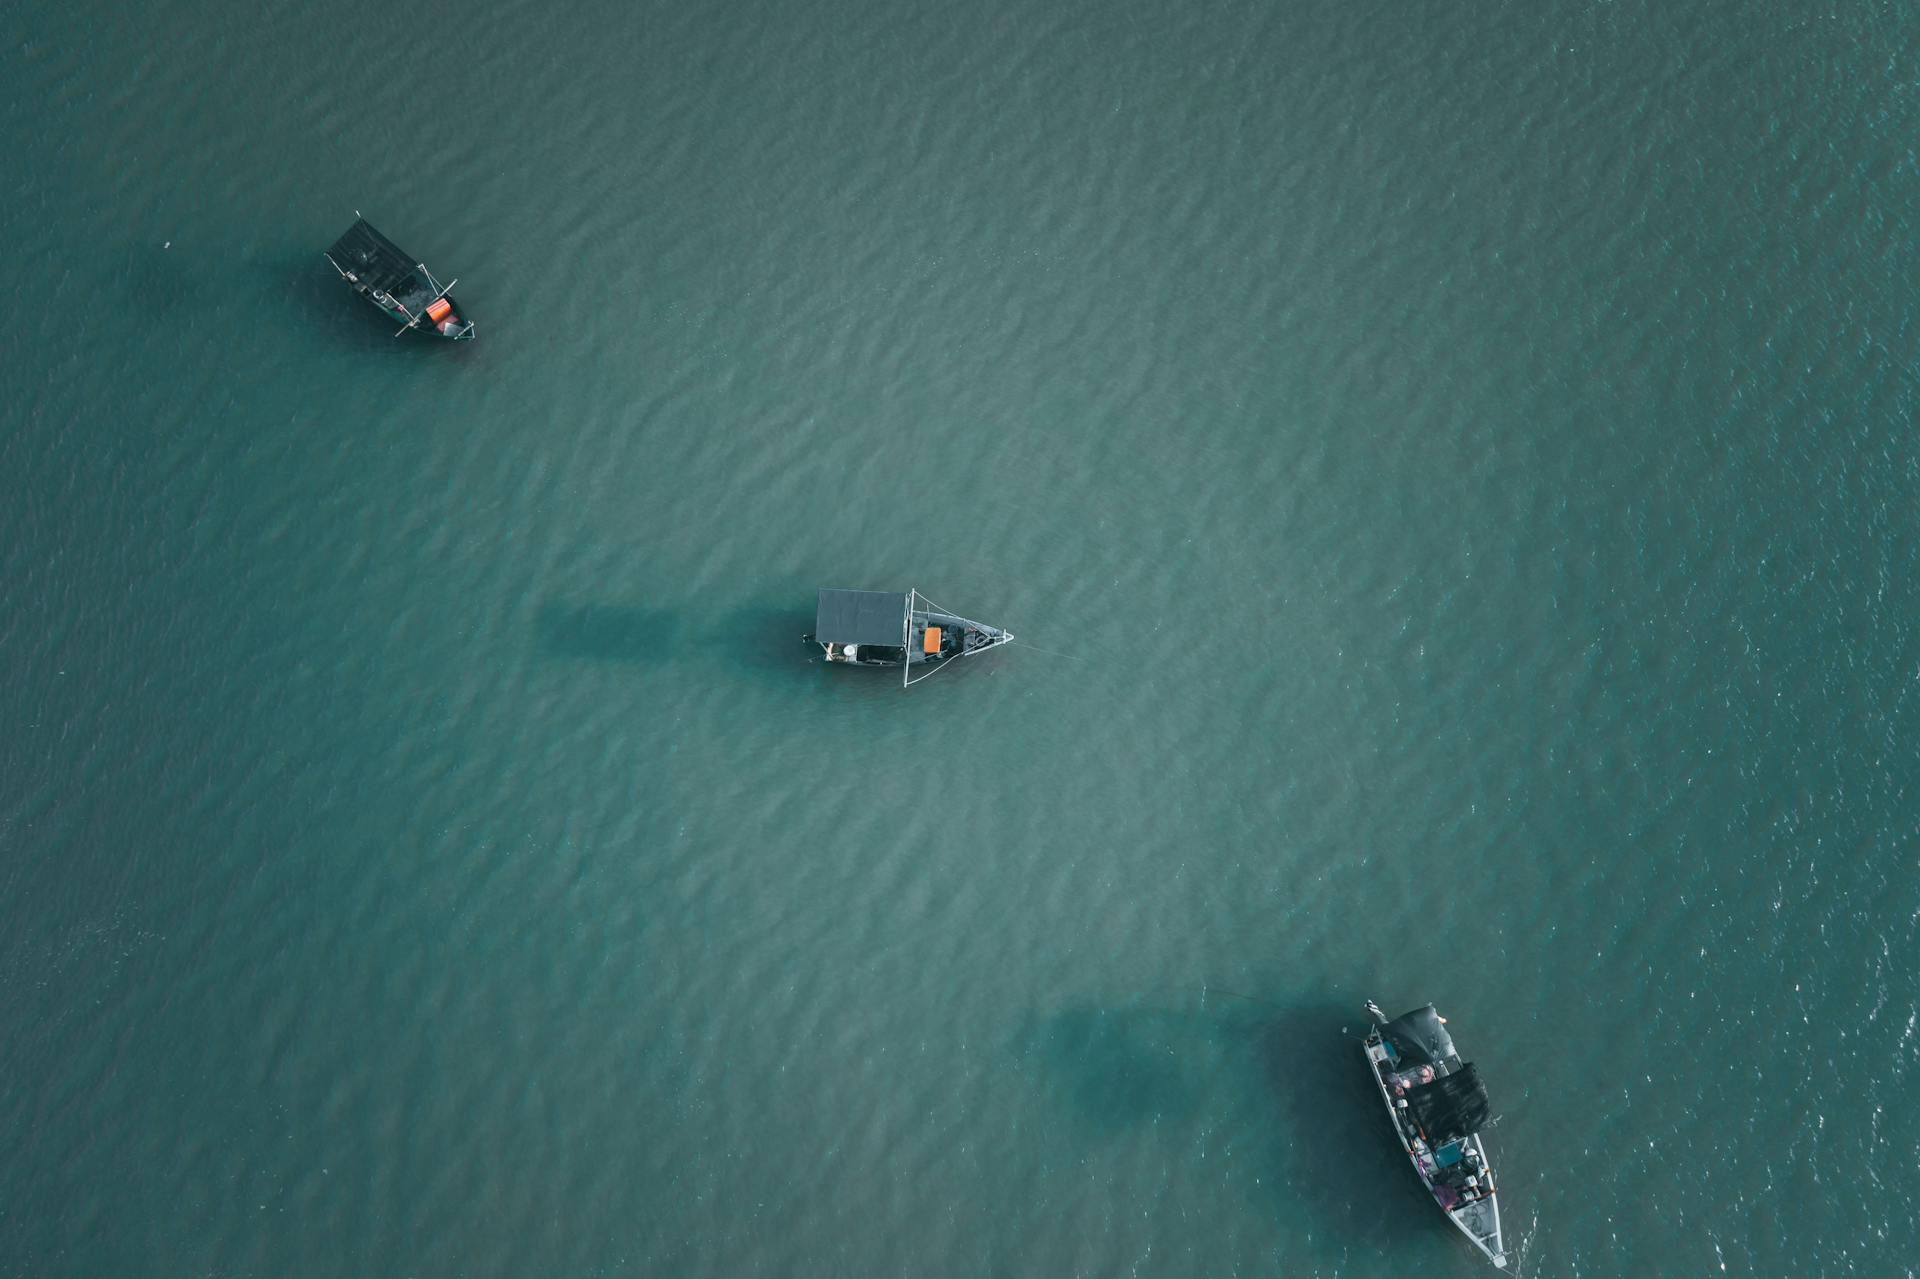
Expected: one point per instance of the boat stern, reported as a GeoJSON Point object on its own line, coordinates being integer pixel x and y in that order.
{"type": "Point", "coordinates": [1480, 1221]}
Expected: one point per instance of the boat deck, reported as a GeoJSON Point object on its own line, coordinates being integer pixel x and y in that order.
{"type": "Point", "coordinates": [1445, 1170]}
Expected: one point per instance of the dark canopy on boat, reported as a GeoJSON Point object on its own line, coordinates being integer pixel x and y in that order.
{"type": "Point", "coordinates": [378, 261]}
{"type": "Point", "coordinates": [1451, 1106]}
{"type": "Point", "coordinates": [861, 617]}
{"type": "Point", "coordinates": [1419, 1037]}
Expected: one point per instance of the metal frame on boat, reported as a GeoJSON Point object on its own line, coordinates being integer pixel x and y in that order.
{"type": "Point", "coordinates": [1437, 1106]}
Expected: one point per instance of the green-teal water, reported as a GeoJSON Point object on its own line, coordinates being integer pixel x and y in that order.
{"type": "Point", "coordinates": [1458, 460]}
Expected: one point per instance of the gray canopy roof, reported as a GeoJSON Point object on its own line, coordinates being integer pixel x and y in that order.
{"type": "Point", "coordinates": [861, 617]}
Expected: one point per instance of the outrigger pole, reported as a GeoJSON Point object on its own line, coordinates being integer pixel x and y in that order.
{"type": "Point", "coordinates": [906, 641]}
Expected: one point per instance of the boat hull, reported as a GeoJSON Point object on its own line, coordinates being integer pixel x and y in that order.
{"type": "Point", "coordinates": [895, 630]}
{"type": "Point", "coordinates": [396, 284]}
{"type": "Point", "coordinates": [1478, 1219]}
{"type": "Point", "coordinates": [958, 638]}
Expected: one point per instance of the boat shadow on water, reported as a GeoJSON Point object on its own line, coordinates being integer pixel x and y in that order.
{"type": "Point", "coordinates": [1286, 1079]}
{"type": "Point", "coordinates": [1334, 1159]}
{"type": "Point", "coordinates": [766, 640]}
{"type": "Point", "coordinates": [1116, 1068]}
{"type": "Point", "coordinates": [607, 632]}
{"type": "Point", "coordinates": [742, 639]}
{"type": "Point", "coordinates": [156, 281]}
{"type": "Point", "coordinates": [176, 285]}
{"type": "Point", "coordinates": [311, 302]}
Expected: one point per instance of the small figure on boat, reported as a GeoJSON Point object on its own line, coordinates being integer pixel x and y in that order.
{"type": "Point", "coordinates": [375, 267]}
{"type": "Point", "coordinates": [1438, 1106]}
{"type": "Point", "coordinates": [896, 628]}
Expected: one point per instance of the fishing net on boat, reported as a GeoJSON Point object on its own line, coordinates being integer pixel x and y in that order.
{"type": "Point", "coordinates": [1454, 1105]}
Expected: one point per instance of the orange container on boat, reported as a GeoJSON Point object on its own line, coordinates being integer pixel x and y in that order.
{"type": "Point", "coordinates": [439, 310]}
{"type": "Point", "coordinates": [930, 642]}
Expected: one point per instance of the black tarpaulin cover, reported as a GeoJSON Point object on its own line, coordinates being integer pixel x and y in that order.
{"type": "Point", "coordinates": [1419, 1037]}
{"type": "Point", "coordinates": [861, 617]}
{"type": "Point", "coordinates": [1451, 1106]}
{"type": "Point", "coordinates": [378, 261]}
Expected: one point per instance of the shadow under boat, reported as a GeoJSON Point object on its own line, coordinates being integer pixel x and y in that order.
{"type": "Point", "coordinates": [1305, 1052]}
{"type": "Point", "coordinates": [1284, 1071]}
{"type": "Point", "coordinates": [607, 632]}
{"type": "Point", "coordinates": [750, 639]}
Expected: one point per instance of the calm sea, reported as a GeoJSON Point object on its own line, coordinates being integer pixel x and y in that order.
{"type": "Point", "coordinates": [1455, 466]}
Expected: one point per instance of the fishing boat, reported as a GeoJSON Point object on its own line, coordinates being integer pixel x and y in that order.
{"type": "Point", "coordinates": [897, 629]}
{"type": "Point", "coordinates": [1438, 1106]}
{"type": "Point", "coordinates": [378, 270]}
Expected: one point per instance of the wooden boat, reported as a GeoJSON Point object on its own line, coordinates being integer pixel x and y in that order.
{"type": "Point", "coordinates": [375, 267]}
{"type": "Point", "coordinates": [1438, 1106]}
{"type": "Point", "coordinates": [896, 629]}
